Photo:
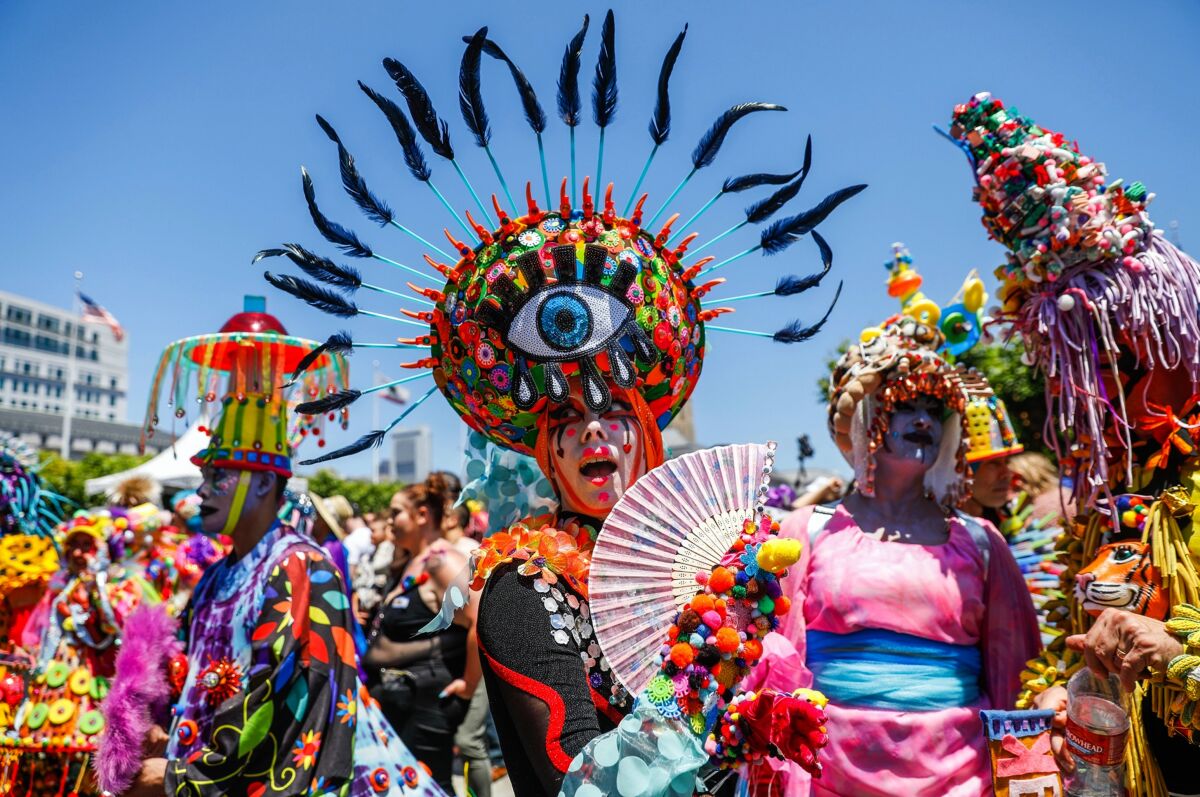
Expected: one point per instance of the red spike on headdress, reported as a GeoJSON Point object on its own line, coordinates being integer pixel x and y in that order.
{"type": "Point", "coordinates": [564, 201]}
{"type": "Point", "coordinates": [636, 218]}
{"type": "Point", "coordinates": [610, 210]}
{"type": "Point", "coordinates": [423, 340]}
{"type": "Point", "coordinates": [425, 316]}
{"type": "Point", "coordinates": [425, 362]}
{"type": "Point", "coordinates": [464, 251]}
{"type": "Point", "coordinates": [480, 230]}
{"type": "Point", "coordinates": [709, 315]}
{"type": "Point", "coordinates": [500, 214]}
{"type": "Point", "coordinates": [534, 210]}
{"type": "Point", "coordinates": [701, 290]}
{"type": "Point", "coordinates": [442, 268]}
{"type": "Point", "coordinates": [685, 243]}
{"type": "Point", "coordinates": [588, 207]}
{"type": "Point", "coordinates": [665, 232]}
{"type": "Point", "coordinates": [694, 269]}
{"type": "Point", "coordinates": [428, 293]}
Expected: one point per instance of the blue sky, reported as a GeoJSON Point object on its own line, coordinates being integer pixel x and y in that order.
{"type": "Point", "coordinates": [156, 146]}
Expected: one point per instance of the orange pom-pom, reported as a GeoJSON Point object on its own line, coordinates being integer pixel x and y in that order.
{"type": "Point", "coordinates": [721, 580]}
{"type": "Point", "coordinates": [782, 605]}
{"type": "Point", "coordinates": [673, 633]}
{"type": "Point", "coordinates": [682, 654]}
{"type": "Point", "coordinates": [727, 640]}
{"type": "Point", "coordinates": [702, 603]}
{"type": "Point", "coordinates": [719, 607]}
{"type": "Point", "coordinates": [752, 650]}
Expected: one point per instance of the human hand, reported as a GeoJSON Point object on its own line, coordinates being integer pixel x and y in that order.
{"type": "Point", "coordinates": [150, 781]}
{"type": "Point", "coordinates": [1055, 699]}
{"type": "Point", "coordinates": [1126, 644]}
{"type": "Point", "coordinates": [457, 688]}
{"type": "Point", "coordinates": [155, 743]}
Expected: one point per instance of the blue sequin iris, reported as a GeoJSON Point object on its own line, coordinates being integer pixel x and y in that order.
{"type": "Point", "coordinates": [564, 321]}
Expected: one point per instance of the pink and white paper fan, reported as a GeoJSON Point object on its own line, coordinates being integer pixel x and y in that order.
{"type": "Point", "coordinates": [678, 520]}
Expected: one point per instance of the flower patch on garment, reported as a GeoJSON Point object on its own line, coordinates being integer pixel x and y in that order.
{"type": "Point", "coordinates": [544, 551]}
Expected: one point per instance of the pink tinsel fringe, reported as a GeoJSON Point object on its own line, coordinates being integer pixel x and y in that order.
{"type": "Point", "coordinates": [1156, 308]}
{"type": "Point", "coordinates": [139, 697]}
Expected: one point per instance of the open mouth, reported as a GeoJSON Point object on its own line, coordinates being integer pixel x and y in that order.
{"type": "Point", "coordinates": [206, 510]}
{"type": "Point", "coordinates": [598, 467]}
{"type": "Point", "coordinates": [920, 438]}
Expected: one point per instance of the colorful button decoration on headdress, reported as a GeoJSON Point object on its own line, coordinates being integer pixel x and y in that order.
{"type": "Point", "coordinates": [250, 434]}
{"type": "Point", "coordinates": [539, 296]}
{"type": "Point", "coordinates": [990, 433]}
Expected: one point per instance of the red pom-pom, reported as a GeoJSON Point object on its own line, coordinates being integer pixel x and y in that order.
{"type": "Point", "coordinates": [682, 654]}
{"type": "Point", "coordinates": [783, 605]}
{"type": "Point", "coordinates": [721, 580]}
{"type": "Point", "coordinates": [752, 650]}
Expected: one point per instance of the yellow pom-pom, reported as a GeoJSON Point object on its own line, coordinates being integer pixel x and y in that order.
{"type": "Point", "coordinates": [778, 554]}
{"type": "Point", "coordinates": [812, 696]}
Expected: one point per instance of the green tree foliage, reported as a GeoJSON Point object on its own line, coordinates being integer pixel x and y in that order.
{"type": "Point", "coordinates": [68, 477]}
{"type": "Point", "coordinates": [368, 497]}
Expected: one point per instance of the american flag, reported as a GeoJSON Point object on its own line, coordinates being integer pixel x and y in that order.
{"type": "Point", "coordinates": [94, 312]}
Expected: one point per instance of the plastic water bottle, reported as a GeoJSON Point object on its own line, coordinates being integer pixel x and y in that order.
{"type": "Point", "coordinates": [1097, 729]}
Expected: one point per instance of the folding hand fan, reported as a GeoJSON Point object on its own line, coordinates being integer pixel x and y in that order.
{"type": "Point", "coordinates": [676, 521]}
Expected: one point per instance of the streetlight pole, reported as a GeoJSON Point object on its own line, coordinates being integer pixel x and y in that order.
{"type": "Point", "coordinates": [64, 448]}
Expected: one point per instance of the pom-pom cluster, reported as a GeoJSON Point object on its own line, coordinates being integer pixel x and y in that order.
{"type": "Point", "coordinates": [1132, 511]}
{"type": "Point", "coordinates": [759, 724]}
{"type": "Point", "coordinates": [1044, 200]}
{"type": "Point", "coordinates": [717, 636]}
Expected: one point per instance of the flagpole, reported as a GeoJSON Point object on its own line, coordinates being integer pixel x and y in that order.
{"type": "Point", "coordinates": [375, 421]}
{"type": "Point", "coordinates": [65, 445]}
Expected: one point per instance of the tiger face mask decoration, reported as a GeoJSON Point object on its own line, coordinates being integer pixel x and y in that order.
{"type": "Point", "coordinates": [1122, 577]}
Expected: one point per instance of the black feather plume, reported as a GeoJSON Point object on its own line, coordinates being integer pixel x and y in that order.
{"type": "Point", "coordinates": [331, 403]}
{"type": "Point", "coordinates": [369, 440]}
{"type": "Point", "coordinates": [660, 121]}
{"type": "Point", "coordinates": [375, 208]}
{"type": "Point", "coordinates": [791, 285]}
{"type": "Point", "coordinates": [604, 84]}
{"type": "Point", "coordinates": [734, 185]}
{"type": "Point", "coordinates": [319, 268]}
{"type": "Point", "coordinates": [529, 101]}
{"type": "Point", "coordinates": [432, 128]}
{"type": "Point", "coordinates": [414, 158]}
{"type": "Point", "coordinates": [785, 232]}
{"type": "Point", "coordinates": [569, 101]}
{"type": "Point", "coordinates": [470, 96]}
{"type": "Point", "coordinates": [710, 143]}
{"type": "Point", "coordinates": [333, 232]}
{"type": "Point", "coordinates": [318, 296]}
{"type": "Point", "coordinates": [338, 343]}
{"type": "Point", "coordinates": [765, 208]}
{"type": "Point", "coordinates": [795, 332]}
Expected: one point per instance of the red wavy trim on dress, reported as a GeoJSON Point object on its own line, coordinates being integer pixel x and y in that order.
{"type": "Point", "coordinates": [553, 701]}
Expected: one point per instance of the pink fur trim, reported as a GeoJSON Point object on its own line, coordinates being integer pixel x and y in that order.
{"type": "Point", "coordinates": [139, 696]}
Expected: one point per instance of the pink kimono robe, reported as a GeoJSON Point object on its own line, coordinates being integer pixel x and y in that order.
{"type": "Point", "coordinates": [850, 582]}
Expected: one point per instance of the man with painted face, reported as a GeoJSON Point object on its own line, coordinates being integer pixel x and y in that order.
{"type": "Point", "coordinates": [272, 702]}
{"type": "Point", "coordinates": [909, 616]}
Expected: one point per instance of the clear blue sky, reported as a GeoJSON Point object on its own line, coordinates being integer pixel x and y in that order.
{"type": "Point", "coordinates": [156, 146]}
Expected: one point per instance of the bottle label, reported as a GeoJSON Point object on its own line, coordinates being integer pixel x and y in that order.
{"type": "Point", "coordinates": [1095, 748]}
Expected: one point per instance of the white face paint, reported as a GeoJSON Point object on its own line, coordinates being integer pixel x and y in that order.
{"type": "Point", "coordinates": [914, 433]}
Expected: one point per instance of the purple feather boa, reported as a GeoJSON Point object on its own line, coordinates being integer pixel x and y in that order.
{"type": "Point", "coordinates": [140, 696]}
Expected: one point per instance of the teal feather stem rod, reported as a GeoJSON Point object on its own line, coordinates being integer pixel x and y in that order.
{"type": "Point", "coordinates": [500, 177]}
{"type": "Point", "coordinates": [405, 296]}
{"type": "Point", "coordinates": [712, 241]}
{"type": "Point", "coordinates": [545, 176]}
{"type": "Point", "coordinates": [387, 317]}
{"type": "Point", "coordinates": [475, 196]}
{"type": "Point", "coordinates": [408, 410]}
{"type": "Point", "coordinates": [641, 177]}
{"type": "Point", "coordinates": [743, 296]}
{"type": "Point", "coordinates": [402, 381]}
{"type": "Point", "coordinates": [704, 209]}
{"type": "Point", "coordinates": [419, 238]}
{"type": "Point", "coordinates": [423, 275]}
{"type": "Point", "coordinates": [470, 233]}
{"type": "Point", "coordinates": [600, 164]}
{"type": "Point", "coordinates": [388, 346]}
{"type": "Point", "coordinates": [574, 189]}
{"type": "Point", "coordinates": [729, 260]}
{"type": "Point", "coordinates": [670, 198]}
{"type": "Point", "coordinates": [735, 330]}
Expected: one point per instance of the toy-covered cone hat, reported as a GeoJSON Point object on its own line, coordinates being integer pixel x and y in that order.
{"type": "Point", "coordinates": [990, 433]}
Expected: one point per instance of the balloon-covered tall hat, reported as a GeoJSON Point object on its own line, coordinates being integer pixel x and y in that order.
{"type": "Point", "coordinates": [540, 296]}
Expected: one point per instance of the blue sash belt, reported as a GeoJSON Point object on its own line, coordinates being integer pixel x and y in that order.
{"type": "Point", "coordinates": [874, 668]}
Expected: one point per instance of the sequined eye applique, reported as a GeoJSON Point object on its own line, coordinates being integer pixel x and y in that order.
{"type": "Point", "coordinates": [571, 320]}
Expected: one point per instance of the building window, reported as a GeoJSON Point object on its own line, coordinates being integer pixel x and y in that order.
{"type": "Point", "coordinates": [111, 383]}
{"type": "Point", "coordinates": [112, 416]}
{"type": "Point", "coordinates": [18, 315]}
{"type": "Point", "coordinates": [112, 401]}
